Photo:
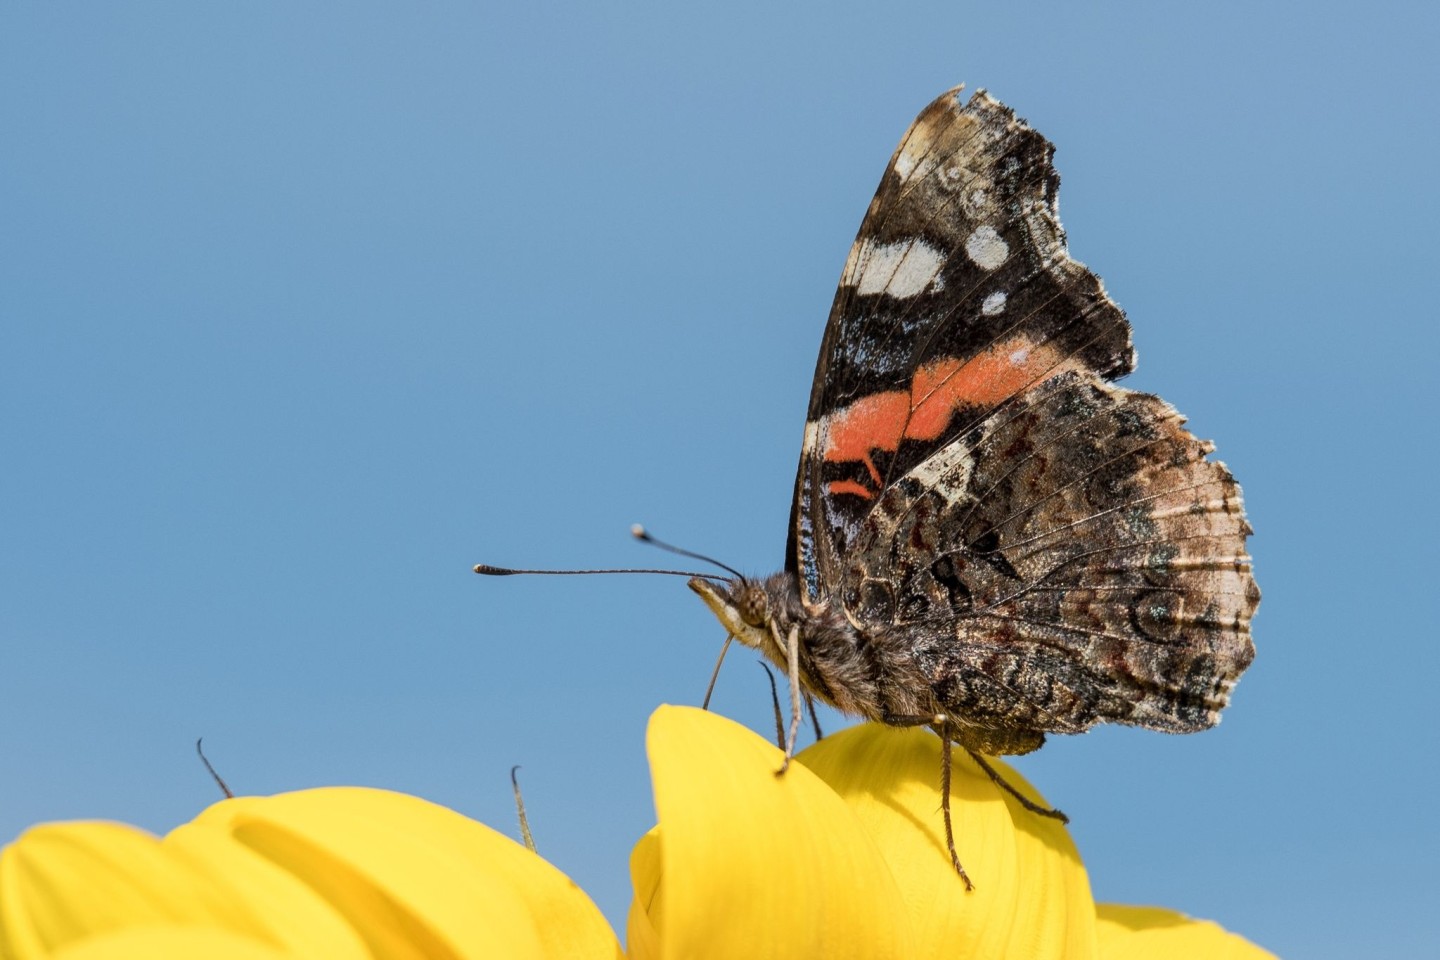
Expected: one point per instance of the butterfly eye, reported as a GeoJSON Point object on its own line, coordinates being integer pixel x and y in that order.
{"type": "Point", "coordinates": [752, 604]}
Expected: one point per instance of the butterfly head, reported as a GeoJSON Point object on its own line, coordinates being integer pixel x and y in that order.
{"type": "Point", "coordinates": [741, 605]}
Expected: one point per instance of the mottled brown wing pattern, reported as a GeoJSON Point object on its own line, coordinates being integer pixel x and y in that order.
{"type": "Point", "coordinates": [958, 294]}
{"type": "Point", "coordinates": [1072, 559]}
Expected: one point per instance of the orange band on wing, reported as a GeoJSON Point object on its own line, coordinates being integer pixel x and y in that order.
{"type": "Point", "coordinates": [875, 422]}
{"type": "Point", "coordinates": [984, 380]}
{"type": "Point", "coordinates": [850, 486]}
{"type": "Point", "coordinates": [881, 420]}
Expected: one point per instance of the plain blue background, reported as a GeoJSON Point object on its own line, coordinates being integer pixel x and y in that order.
{"type": "Point", "coordinates": [307, 308]}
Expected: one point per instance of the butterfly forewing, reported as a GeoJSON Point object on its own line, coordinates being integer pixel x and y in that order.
{"type": "Point", "coordinates": [957, 296]}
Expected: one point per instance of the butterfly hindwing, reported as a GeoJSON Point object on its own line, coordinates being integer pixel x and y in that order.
{"type": "Point", "coordinates": [958, 295]}
{"type": "Point", "coordinates": [1072, 559]}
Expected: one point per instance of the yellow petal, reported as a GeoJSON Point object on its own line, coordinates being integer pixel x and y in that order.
{"type": "Point", "coordinates": [1031, 898]}
{"type": "Point", "coordinates": [295, 913]}
{"type": "Point", "coordinates": [751, 864]}
{"type": "Point", "coordinates": [340, 873]}
{"type": "Point", "coordinates": [415, 879]}
{"type": "Point", "coordinates": [1142, 933]}
{"type": "Point", "coordinates": [63, 884]}
{"type": "Point", "coordinates": [152, 943]}
{"type": "Point", "coordinates": [642, 942]}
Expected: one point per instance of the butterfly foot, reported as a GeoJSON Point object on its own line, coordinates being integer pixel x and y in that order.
{"type": "Point", "coordinates": [964, 877]}
{"type": "Point", "coordinates": [1009, 788]}
{"type": "Point", "coordinates": [1050, 812]}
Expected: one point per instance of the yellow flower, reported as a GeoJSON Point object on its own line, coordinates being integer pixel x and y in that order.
{"type": "Point", "coordinates": [844, 856]}
{"type": "Point", "coordinates": [334, 873]}
{"type": "Point", "coordinates": [841, 857]}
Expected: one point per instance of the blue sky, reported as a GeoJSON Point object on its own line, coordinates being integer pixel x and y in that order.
{"type": "Point", "coordinates": [307, 309]}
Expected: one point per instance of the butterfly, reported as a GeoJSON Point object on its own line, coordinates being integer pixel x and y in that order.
{"type": "Point", "coordinates": [988, 536]}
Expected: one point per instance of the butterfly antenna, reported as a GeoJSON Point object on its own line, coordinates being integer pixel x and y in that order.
{"type": "Point", "coordinates": [493, 571]}
{"type": "Point", "coordinates": [643, 535]}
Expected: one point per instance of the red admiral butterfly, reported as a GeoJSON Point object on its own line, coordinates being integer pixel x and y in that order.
{"type": "Point", "coordinates": [988, 536]}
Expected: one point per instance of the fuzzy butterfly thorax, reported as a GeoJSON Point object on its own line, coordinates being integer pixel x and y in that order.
{"type": "Point", "coordinates": [837, 663]}
{"type": "Point", "coordinates": [986, 530]}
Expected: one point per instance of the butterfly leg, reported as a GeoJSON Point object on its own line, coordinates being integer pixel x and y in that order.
{"type": "Point", "coordinates": [775, 706]}
{"type": "Point", "coordinates": [780, 720]}
{"type": "Point", "coordinates": [945, 757]}
{"type": "Point", "coordinates": [715, 674]}
{"type": "Point", "coordinates": [814, 720]}
{"type": "Point", "coordinates": [792, 667]}
{"type": "Point", "coordinates": [1025, 801]}
{"type": "Point", "coordinates": [939, 723]}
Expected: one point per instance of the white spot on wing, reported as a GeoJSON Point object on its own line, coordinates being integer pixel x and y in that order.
{"type": "Point", "coordinates": [916, 156]}
{"type": "Point", "coordinates": [905, 162]}
{"type": "Point", "coordinates": [812, 436]}
{"type": "Point", "coordinates": [993, 304]}
{"type": "Point", "coordinates": [987, 248]}
{"type": "Point", "coordinates": [901, 269]}
{"type": "Point", "coordinates": [947, 471]}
